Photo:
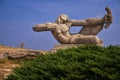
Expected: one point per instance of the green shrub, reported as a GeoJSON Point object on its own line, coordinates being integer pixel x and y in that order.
{"type": "Point", "coordinates": [82, 63]}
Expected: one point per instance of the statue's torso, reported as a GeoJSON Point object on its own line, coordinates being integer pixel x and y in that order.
{"type": "Point", "coordinates": [63, 29]}
{"type": "Point", "coordinates": [61, 33]}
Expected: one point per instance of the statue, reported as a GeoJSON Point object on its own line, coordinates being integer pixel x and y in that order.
{"type": "Point", "coordinates": [87, 35]}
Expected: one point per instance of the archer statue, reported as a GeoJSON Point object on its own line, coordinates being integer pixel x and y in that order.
{"type": "Point", "coordinates": [87, 35]}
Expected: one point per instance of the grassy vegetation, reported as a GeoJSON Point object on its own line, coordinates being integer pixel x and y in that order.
{"type": "Point", "coordinates": [82, 63]}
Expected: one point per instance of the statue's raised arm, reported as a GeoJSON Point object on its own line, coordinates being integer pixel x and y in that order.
{"type": "Point", "coordinates": [93, 26]}
{"type": "Point", "coordinates": [107, 19]}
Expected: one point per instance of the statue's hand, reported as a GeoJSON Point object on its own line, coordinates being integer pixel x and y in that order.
{"type": "Point", "coordinates": [108, 17]}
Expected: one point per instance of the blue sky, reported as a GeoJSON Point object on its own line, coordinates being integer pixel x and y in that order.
{"type": "Point", "coordinates": [18, 16]}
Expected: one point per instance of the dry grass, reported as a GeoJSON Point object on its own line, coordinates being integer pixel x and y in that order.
{"type": "Point", "coordinates": [6, 65]}
{"type": "Point", "coordinates": [10, 49]}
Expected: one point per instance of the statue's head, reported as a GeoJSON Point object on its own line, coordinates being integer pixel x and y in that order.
{"type": "Point", "coordinates": [62, 19]}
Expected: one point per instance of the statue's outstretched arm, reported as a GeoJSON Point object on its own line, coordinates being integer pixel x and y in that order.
{"type": "Point", "coordinates": [44, 27]}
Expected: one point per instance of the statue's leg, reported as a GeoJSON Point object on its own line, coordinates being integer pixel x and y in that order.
{"type": "Point", "coordinates": [91, 30]}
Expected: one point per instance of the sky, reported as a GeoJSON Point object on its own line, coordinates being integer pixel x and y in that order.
{"type": "Point", "coordinates": [18, 16]}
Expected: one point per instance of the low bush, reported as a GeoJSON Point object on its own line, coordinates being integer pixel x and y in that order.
{"type": "Point", "coordinates": [82, 63]}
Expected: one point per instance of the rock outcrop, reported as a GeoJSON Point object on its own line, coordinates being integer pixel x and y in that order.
{"type": "Point", "coordinates": [15, 53]}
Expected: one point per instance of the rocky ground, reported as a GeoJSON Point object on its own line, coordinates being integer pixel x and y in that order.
{"type": "Point", "coordinates": [12, 57]}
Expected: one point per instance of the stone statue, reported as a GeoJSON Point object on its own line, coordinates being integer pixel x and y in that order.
{"type": "Point", "coordinates": [87, 35]}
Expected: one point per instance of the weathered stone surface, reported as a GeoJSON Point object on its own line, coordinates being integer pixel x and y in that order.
{"type": "Point", "coordinates": [63, 46]}
{"type": "Point", "coordinates": [87, 35]}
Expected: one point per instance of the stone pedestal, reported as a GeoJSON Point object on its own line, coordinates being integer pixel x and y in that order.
{"type": "Point", "coordinates": [66, 46]}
